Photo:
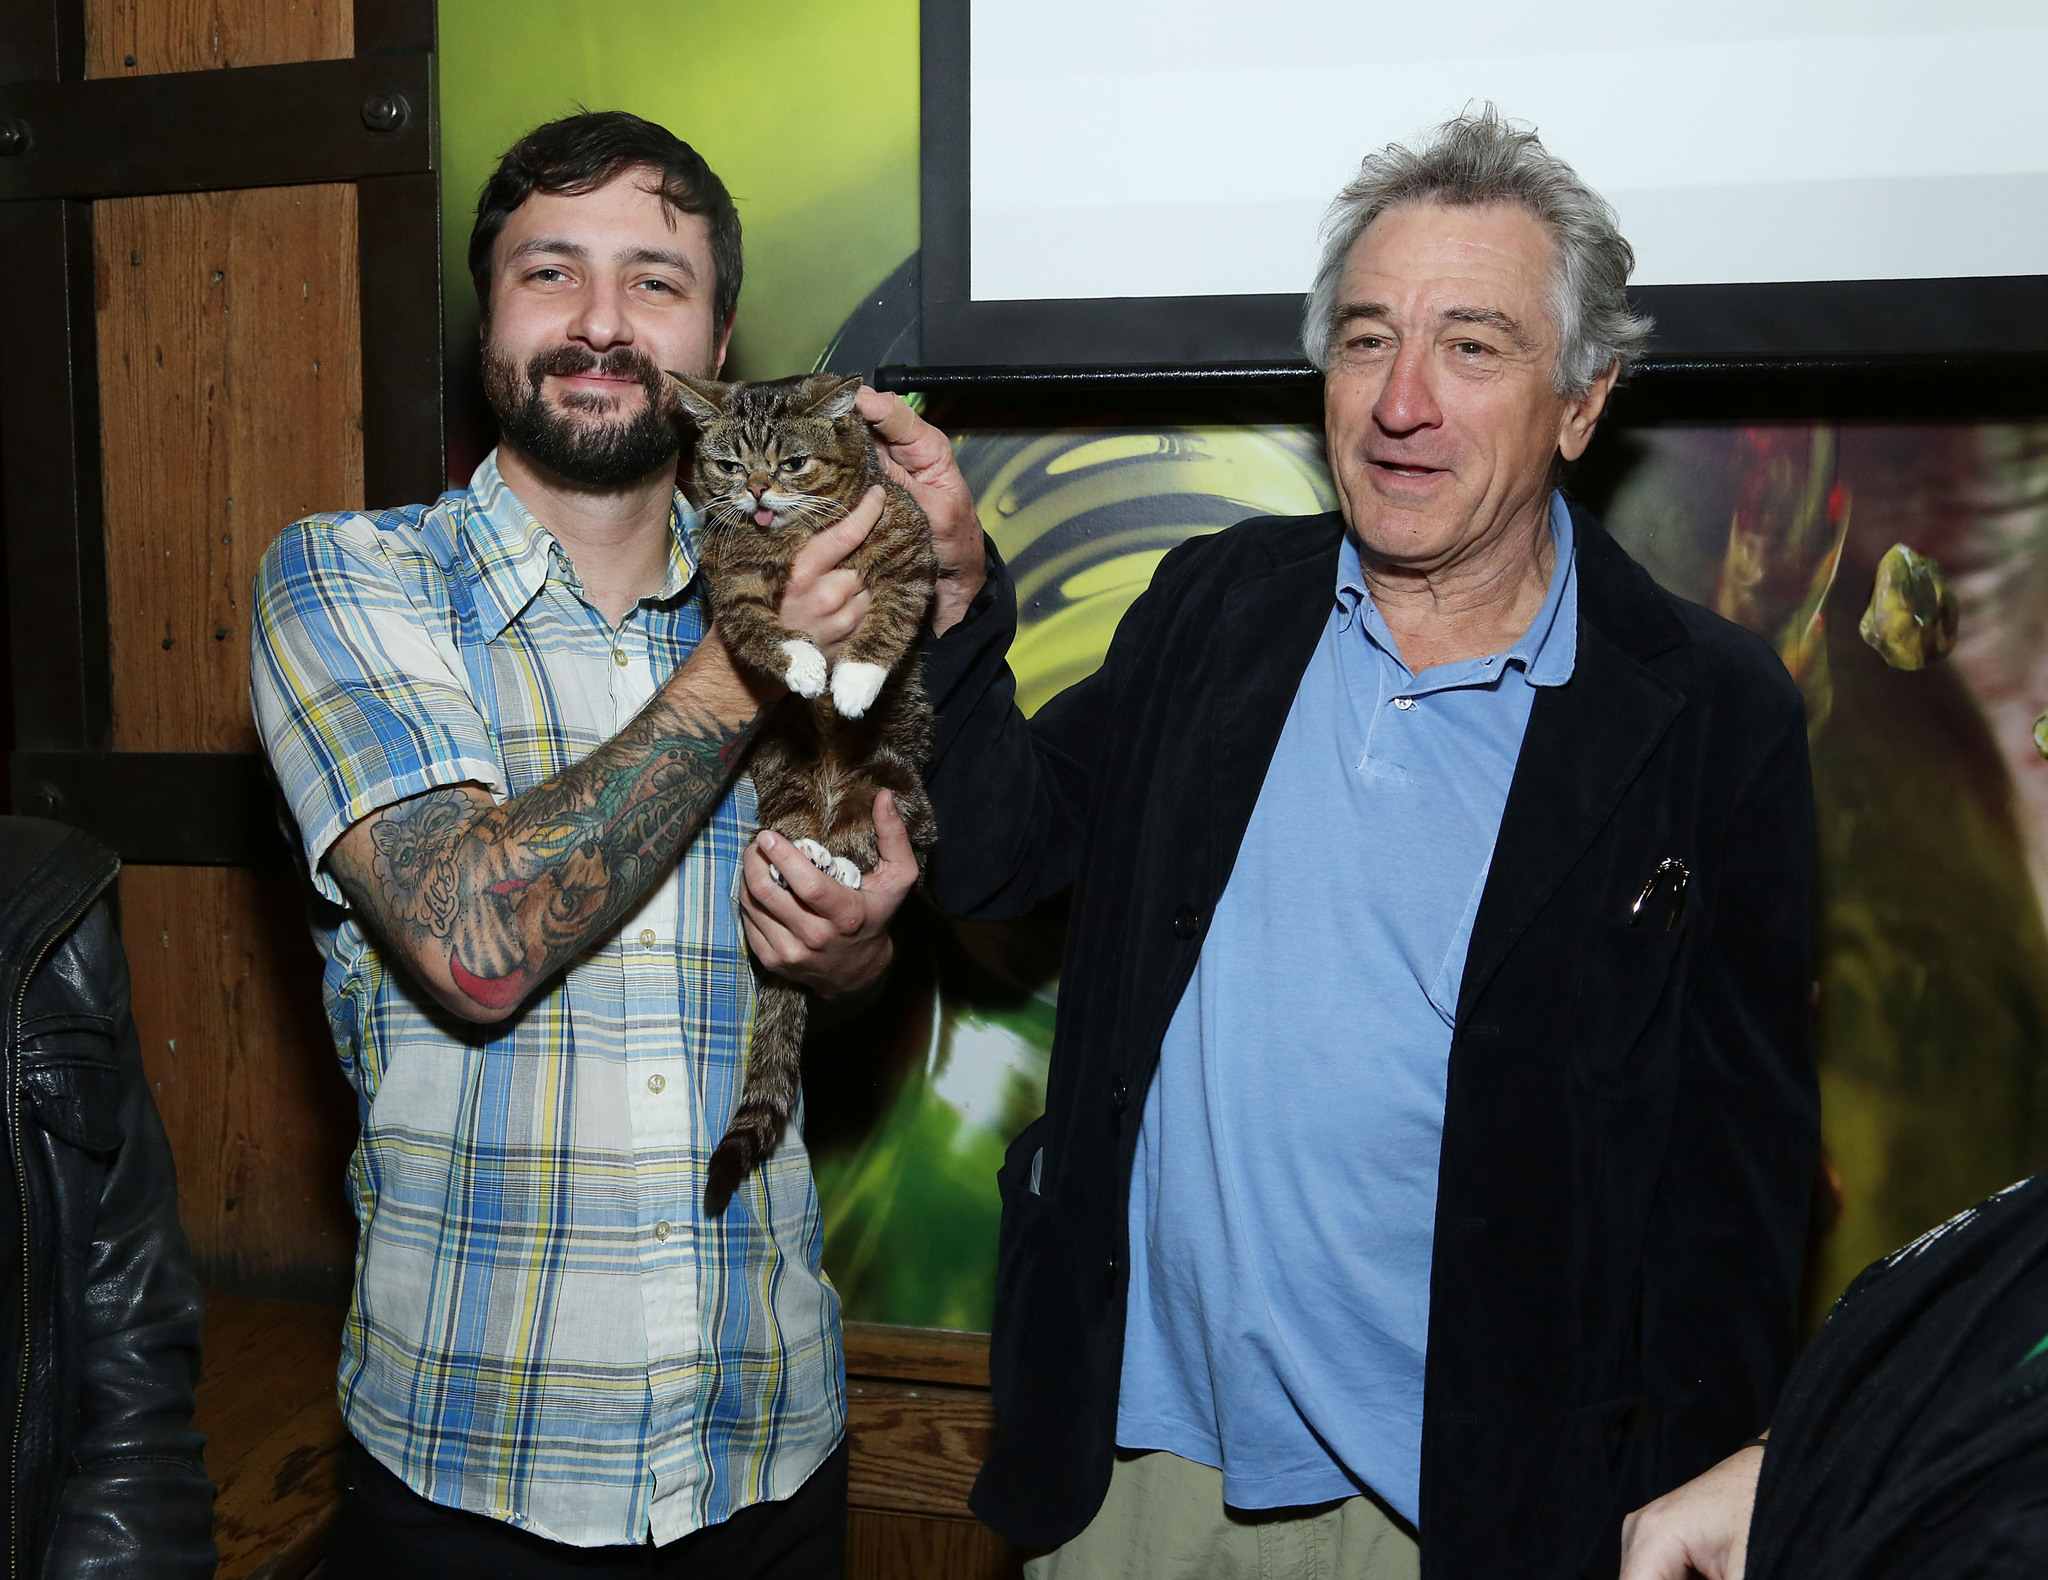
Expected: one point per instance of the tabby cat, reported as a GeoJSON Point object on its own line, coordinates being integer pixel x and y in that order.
{"type": "Point", "coordinates": [774, 463]}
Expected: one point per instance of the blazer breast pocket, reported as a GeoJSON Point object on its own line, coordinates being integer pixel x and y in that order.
{"type": "Point", "coordinates": [1618, 1045]}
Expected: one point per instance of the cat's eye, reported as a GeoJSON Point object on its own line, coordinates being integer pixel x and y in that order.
{"type": "Point", "coordinates": [794, 463]}
{"type": "Point", "coordinates": [730, 468]}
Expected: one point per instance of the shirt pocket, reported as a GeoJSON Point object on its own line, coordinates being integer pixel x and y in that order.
{"type": "Point", "coordinates": [1618, 1045]}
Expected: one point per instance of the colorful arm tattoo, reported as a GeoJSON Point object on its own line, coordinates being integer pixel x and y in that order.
{"type": "Point", "coordinates": [501, 897]}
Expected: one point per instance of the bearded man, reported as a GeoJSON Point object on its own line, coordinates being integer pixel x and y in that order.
{"type": "Point", "coordinates": [511, 740]}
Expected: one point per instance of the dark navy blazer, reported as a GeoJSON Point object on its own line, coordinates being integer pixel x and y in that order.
{"type": "Point", "coordinates": [1631, 1126]}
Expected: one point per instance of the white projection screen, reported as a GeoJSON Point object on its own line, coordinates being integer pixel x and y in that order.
{"type": "Point", "coordinates": [1117, 181]}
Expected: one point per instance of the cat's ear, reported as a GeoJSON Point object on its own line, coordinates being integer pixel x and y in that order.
{"type": "Point", "coordinates": [835, 401]}
{"type": "Point", "coordinates": [698, 399]}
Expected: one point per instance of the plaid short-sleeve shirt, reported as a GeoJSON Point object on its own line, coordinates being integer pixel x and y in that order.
{"type": "Point", "coordinates": [545, 1329]}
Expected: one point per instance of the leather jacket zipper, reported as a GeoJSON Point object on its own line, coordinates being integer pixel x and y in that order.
{"type": "Point", "coordinates": [14, 1100]}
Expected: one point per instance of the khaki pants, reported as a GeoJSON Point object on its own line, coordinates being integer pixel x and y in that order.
{"type": "Point", "coordinates": [1165, 1519]}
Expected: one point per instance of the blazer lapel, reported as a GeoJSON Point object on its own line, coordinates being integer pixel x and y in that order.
{"type": "Point", "coordinates": [1268, 630]}
{"type": "Point", "coordinates": [1586, 741]}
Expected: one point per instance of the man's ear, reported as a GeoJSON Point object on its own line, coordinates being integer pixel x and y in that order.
{"type": "Point", "coordinates": [835, 400]}
{"type": "Point", "coordinates": [724, 343]}
{"type": "Point", "coordinates": [700, 399]}
{"type": "Point", "coordinates": [1582, 415]}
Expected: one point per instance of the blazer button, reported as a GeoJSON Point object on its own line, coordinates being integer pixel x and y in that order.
{"type": "Point", "coordinates": [1119, 1095]}
{"type": "Point", "coordinates": [1109, 1270]}
{"type": "Point", "coordinates": [1187, 921]}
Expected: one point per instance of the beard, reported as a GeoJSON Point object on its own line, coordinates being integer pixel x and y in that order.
{"type": "Point", "coordinates": [583, 449]}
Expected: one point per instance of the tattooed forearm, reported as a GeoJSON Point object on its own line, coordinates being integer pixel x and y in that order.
{"type": "Point", "coordinates": [490, 901]}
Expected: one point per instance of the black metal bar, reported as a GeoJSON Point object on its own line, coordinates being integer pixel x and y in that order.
{"type": "Point", "coordinates": [396, 27]}
{"type": "Point", "coordinates": [194, 809]}
{"type": "Point", "coordinates": [255, 126]}
{"type": "Point", "coordinates": [1156, 375]}
{"type": "Point", "coordinates": [70, 40]}
{"type": "Point", "coordinates": [398, 227]}
{"type": "Point", "coordinates": [50, 501]}
{"type": "Point", "coordinates": [1933, 386]}
{"type": "Point", "coordinates": [945, 225]}
{"type": "Point", "coordinates": [42, 41]}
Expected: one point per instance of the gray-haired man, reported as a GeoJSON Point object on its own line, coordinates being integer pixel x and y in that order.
{"type": "Point", "coordinates": [1430, 1118]}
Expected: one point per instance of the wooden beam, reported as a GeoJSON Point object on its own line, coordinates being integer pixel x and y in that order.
{"type": "Point", "coordinates": [191, 131]}
{"type": "Point", "coordinates": [916, 1449]}
{"type": "Point", "coordinates": [937, 1355]}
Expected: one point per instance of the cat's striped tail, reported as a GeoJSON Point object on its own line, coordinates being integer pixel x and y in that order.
{"type": "Point", "coordinates": [769, 1096]}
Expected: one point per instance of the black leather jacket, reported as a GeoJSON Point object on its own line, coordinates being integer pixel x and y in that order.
{"type": "Point", "coordinates": [104, 1477]}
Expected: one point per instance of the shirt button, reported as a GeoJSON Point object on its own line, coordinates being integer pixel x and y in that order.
{"type": "Point", "coordinates": [1187, 921]}
{"type": "Point", "coordinates": [620, 658]}
{"type": "Point", "coordinates": [655, 1083]}
{"type": "Point", "coordinates": [661, 1230]}
{"type": "Point", "coordinates": [1404, 703]}
{"type": "Point", "coordinates": [646, 938]}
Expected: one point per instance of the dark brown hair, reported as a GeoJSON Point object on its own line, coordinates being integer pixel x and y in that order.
{"type": "Point", "coordinates": [579, 154]}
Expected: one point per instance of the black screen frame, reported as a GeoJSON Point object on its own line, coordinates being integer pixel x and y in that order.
{"type": "Point", "coordinates": [1997, 318]}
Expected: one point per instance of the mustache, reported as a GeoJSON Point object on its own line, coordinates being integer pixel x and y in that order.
{"type": "Point", "coordinates": [619, 362]}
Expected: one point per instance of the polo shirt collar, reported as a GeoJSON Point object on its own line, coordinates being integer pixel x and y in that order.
{"type": "Point", "coordinates": [1547, 651]}
{"type": "Point", "coordinates": [511, 554]}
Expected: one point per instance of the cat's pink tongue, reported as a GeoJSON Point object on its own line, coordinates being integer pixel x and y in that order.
{"type": "Point", "coordinates": [764, 518]}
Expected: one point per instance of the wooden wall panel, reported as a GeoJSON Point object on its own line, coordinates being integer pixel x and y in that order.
{"type": "Point", "coordinates": [916, 1448]}
{"type": "Point", "coordinates": [227, 1003]}
{"type": "Point", "coordinates": [132, 38]}
{"type": "Point", "coordinates": [896, 1547]}
{"type": "Point", "coordinates": [230, 403]}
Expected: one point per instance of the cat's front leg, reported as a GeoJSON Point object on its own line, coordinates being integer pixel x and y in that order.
{"type": "Point", "coordinates": [748, 621]}
{"type": "Point", "coordinates": [805, 669]}
{"type": "Point", "coordinates": [855, 685]}
{"type": "Point", "coordinates": [884, 636]}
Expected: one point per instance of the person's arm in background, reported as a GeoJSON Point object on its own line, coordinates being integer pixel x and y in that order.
{"type": "Point", "coordinates": [136, 1502]}
{"type": "Point", "coordinates": [1701, 1528]}
{"type": "Point", "coordinates": [1725, 1252]}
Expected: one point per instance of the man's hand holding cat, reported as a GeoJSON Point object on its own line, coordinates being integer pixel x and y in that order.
{"type": "Point", "coordinates": [920, 457]}
{"type": "Point", "coordinates": [825, 598]}
{"type": "Point", "coordinates": [819, 933]}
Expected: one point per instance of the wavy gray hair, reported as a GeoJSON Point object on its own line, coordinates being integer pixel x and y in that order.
{"type": "Point", "coordinates": [1481, 158]}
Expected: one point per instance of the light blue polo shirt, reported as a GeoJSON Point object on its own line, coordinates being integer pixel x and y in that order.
{"type": "Point", "coordinates": [1283, 1199]}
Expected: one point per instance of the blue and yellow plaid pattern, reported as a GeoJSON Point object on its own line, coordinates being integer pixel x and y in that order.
{"type": "Point", "coordinates": [546, 1329]}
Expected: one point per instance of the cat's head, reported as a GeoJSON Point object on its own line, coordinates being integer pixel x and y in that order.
{"type": "Point", "coordinates": [776, 457]}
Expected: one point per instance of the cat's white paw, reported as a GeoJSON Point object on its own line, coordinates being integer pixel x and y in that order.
{"type": "Point", "coordinates": [807, 669]}
{"type": "Point", "coordinates": [855, 687]}
{"type": "Point", "coordinates": [837, 868]}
